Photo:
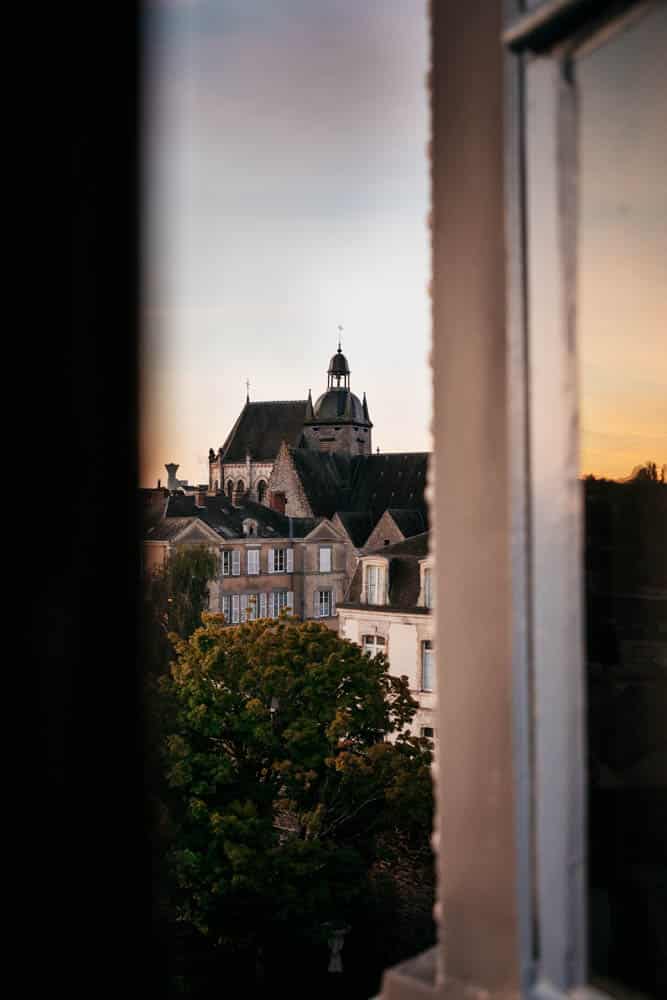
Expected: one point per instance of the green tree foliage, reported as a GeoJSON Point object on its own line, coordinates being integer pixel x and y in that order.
{"type": "Point", "coordinates": [175, 595]}
{"type": "Point", "coordinates": [282, 786]}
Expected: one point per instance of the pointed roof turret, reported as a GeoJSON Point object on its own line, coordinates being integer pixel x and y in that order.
{"type": "Point", "coordinates": [310, 415]}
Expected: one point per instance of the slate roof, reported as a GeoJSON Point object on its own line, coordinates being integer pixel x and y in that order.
{"type": "Point", "coordinates": [226, 520]}
{"type": "Point", "coordinates": [357, 525]}
{"type": "Point", "coordinates": [364, 484]}
{"type": "Point", "coordinates": [262, 427]}
{"type": "Point", "coordinates": [391, 480]}
{"type": "Point", "coordinates": [325, 478]}
{"type": "Point", "coordinates": [409, 522]}
{"type": "Point", "coordinates": [403, 576]}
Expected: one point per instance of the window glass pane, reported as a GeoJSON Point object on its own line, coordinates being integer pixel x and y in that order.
{"type": "Point", "coordinates": [622, 344]}
{"type": "Point", "coordinates": [427, 666]}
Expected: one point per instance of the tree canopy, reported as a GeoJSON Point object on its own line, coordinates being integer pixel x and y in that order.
{"type": "Point", "coordinates": [282, 783]}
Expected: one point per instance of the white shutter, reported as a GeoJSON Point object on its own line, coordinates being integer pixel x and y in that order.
{"type": "Point", "coordinates": [243, 603]}
{"type": "Point", "coordinates": [290, 560]}
{"type": "Point", "coordinates": [253, 562]}
{"type": "Point", "coordinates": [333, 602]}
{"type": "Point", "coordinates": [235, 608]}
{"type": "Point", "coordinates": [272, 605]}
{"type": "Point", "coordinates": [262, 605]}
{"type": "Point", "coordinates": [290, 601]}
{"type": "Point", "coordinates": [316, 604]}
{"type": "Point", "coordinates": [226, 607]}
{"type": "Point", "coordinates": [271, 560]}
{"type": "Point", "coordinates": [236, 562]}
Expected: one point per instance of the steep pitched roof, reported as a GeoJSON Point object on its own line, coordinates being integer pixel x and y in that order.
{"type": "Point", "coordinates": [365, 484]}
{"type": "Point", "coordinates": [219, 514]}
{"type": "Point", "coordinates": [411, 548]}
{"type": "Point", "coordinates": [260, 429]}
{"type": "Point", "coordinates": [357, 525]}
{"type": "Point", "coordinates": [324, 477]}
{"type": "Point", "coordinates": [392, 480]}
{"type": "Point", "coordinates": [409, 522]}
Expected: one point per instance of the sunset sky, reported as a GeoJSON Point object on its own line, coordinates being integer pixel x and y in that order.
{"type": "Point", "coordinates": [623, 250]}
{"type": "Point", "coordinates": [286, 192]}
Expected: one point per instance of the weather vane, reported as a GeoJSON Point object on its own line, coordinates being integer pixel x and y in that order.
{"type": "Point", "coordinates": [340, 330]}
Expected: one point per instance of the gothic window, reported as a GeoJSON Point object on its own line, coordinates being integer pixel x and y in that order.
{"type": "Point", "coordinates": [238, 492]}
{"type": "Point", "coordinates": [230, 489]}
{"type": "Point", "coordinates": [261, 490]}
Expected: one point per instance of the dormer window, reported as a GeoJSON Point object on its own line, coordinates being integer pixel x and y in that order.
{"type": "Point", "coordinates": [374, 583]}
{"type": "Point", "coordinates": [249, 527]}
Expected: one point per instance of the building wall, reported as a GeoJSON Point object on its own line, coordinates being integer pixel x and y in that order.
{"type": "Point", "coordinates": [285, 480]}
{"type": "Point", "coordinates": [351, 439]}
{"type": "Point", "coordinates": [404, 634]}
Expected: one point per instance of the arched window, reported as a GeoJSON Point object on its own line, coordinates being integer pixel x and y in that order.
{"type": "Point", "coordinates": [230, 489]}
{"type": "Point", "coordinates": [238, 492]}
{"type": "Point", "coordinates": [261, 490]}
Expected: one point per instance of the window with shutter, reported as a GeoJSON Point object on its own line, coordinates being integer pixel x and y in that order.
{"type": "Point", "coordinates": [236, 562]}
{"type": "Point", "coordinates": [262, 605]}
{"type": "Point", "coordinates": [325, 559]}
{"type": "Point", "coordinates": [253, 562]}
{"type": "Point", "coordinates": [226, 562]}
{"type": "Point", "coordinates": [272, 605]}
{"type": "Point", "coordinates": [226, 607]}
{"type": "Point", "coordinates": [290, 560]}
{"type": "Point", "coordinates": [272, 554]}
{"type": "Point", "coordinates": [243, 604]}
{"type": "Point", "coordinates": [290, 601]}
{"type": "Point", "coordinates": [235, 609]}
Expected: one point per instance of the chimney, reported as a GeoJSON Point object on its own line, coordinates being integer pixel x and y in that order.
{"type": "Point", "coordinates": [172, 482]}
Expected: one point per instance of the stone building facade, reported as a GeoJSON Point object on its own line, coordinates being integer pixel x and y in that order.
{"type": "Point", "coordinates": [388, 609]}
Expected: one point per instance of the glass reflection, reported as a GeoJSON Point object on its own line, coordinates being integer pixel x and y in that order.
{"type": "Point", "coordinates": [622, 319]}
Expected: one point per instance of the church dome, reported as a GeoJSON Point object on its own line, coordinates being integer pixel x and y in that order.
{"type": "Point", "coordinates": [339, 405]}
{"type": "Point", "coordinates": [338, 364]}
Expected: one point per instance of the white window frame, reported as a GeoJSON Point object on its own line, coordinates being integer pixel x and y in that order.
{"type": "Point", "coordinates": [509, 601]}
{"type": "Point", "coordinates": [378, 590]}
{"type": "Point", "coordinates": [378, 644]}
{"type": "Point", "coordinates": [278, 600]}
{"type": "Point", "coordinates": [330, 603]}
{"type": "Point", "coordinates": [426, 654]}
{"type": "Point", "coordinates": [281, 560]}
{"type": "Point", "coordinates": [226, 562]}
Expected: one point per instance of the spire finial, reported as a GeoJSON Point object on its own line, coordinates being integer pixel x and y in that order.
{"type": "Point", "coordinates": [340, 330]}
{"type": "Point", "coordinates": [247, 390]}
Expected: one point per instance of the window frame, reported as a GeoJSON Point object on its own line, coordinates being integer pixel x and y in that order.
{"type": "Point", "coordinates": [256, 553]}
{"type": "Point", "coordinates": [322, 549]}
{"type": "Point", "coordinates": [426, 646]}
{"type": "Point", "coordinates": [319, 591]}
{"type": "Point", "coordinates": [381, 567]}
{"type": "Point", "coordinates": [496, 771]}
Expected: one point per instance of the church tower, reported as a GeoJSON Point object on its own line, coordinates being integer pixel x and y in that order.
{"type": "Point", "coordinates": [338, 421]}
